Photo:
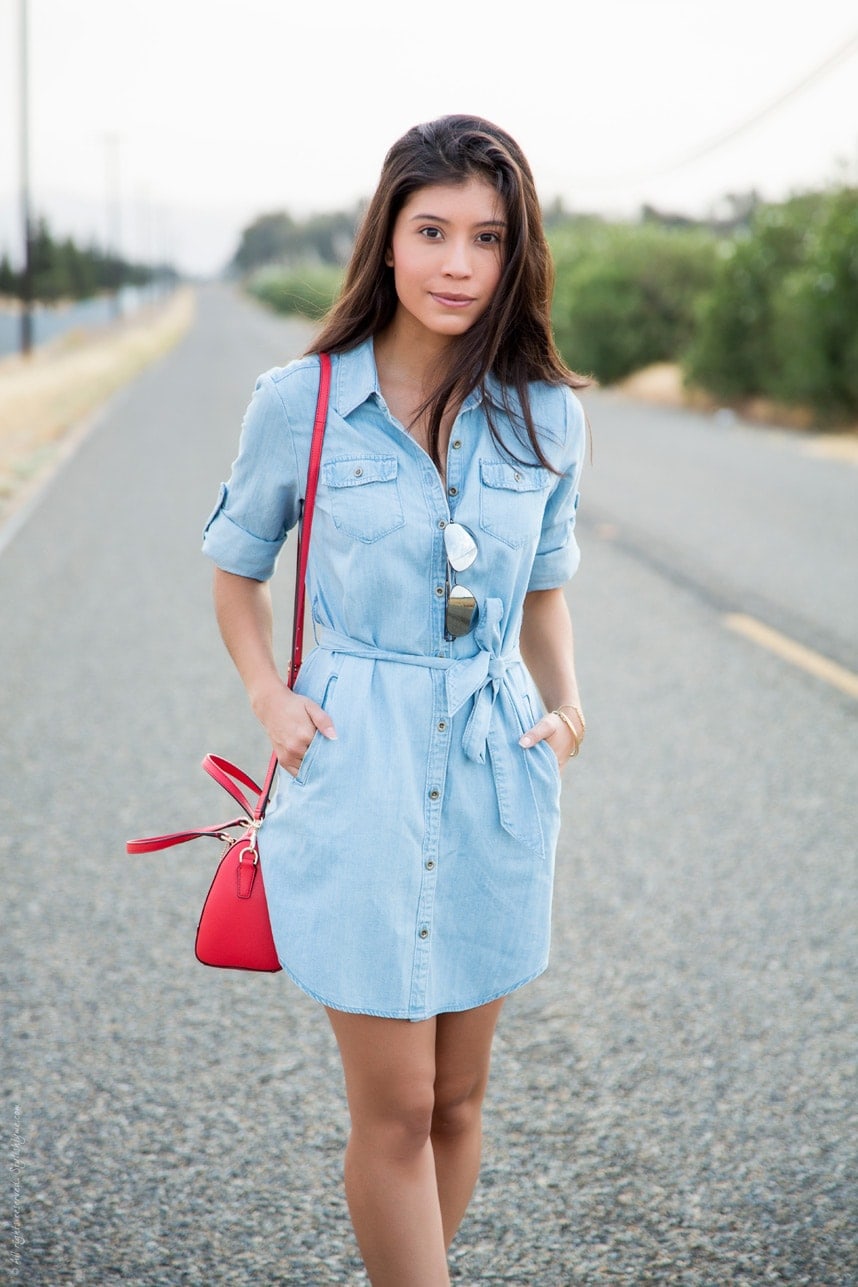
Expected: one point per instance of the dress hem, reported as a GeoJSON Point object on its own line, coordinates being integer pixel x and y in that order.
{"type": "Point", "coordinates": [456, 1008]}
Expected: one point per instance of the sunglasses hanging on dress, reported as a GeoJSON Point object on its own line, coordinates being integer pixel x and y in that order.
{"type": "Point", "coordinates": [461, 549]}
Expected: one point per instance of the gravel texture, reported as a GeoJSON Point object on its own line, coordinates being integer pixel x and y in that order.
{"type": "Point", "coordinates": [672, 1103]}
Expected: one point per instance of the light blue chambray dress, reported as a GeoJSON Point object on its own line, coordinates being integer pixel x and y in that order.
{"type": "Point", "coordinates": [409, 865]}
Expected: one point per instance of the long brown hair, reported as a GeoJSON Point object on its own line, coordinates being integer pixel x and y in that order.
{"type": "Point", "coordinates": [512, 340]}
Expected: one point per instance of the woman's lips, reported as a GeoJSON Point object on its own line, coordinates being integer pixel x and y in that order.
{"type": "Point", "coordinates": [452, 301]}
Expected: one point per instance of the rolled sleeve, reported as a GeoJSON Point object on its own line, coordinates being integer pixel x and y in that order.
{"type": "Point", "coordinates": [557, 554]}
{"type": "Point", "coordinates": [259, 505]}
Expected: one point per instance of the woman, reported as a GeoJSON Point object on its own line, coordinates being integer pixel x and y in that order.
{"type": "Point", "coordinates": [408, 853]}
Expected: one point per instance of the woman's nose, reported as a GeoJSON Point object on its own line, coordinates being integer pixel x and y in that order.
{"type": "Point", "coordinates": [458, 260]}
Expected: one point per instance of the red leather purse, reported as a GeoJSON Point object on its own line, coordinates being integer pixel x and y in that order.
{"type": "Point", "coordinates": [234, 930]}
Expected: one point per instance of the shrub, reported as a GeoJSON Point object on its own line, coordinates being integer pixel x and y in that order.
{"type": "Point", "coordinates": [625, 294]}
{"type": "Point", "coordinates": [815, 316]}
{"type": "Point", "coordinates": [733, 351]}
{"type": "Point", "coordinates": [781, 318]}
{"type": "Point", "coordinates": [307, 290]}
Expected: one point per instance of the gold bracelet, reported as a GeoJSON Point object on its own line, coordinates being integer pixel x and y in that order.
{"type": "Point", "coordinates": [567, 706]}
{"type": "Point", "coordinates": [572, 729]}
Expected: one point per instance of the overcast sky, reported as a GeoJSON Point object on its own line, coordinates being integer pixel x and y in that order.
{"type": "Point", "coordinates": [203, 115]}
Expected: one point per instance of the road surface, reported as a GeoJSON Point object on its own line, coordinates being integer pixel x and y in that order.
{"type": "Point", "coordinates": [673, 1102]}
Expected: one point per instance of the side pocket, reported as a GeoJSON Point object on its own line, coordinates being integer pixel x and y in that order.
{"type": "Point", "coordinates": [300, 778]}
{"type": "Point", "coordinates": [543, 745]}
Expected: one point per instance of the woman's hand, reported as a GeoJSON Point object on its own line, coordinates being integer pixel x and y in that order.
{"type": "Point", "coordinates": [554, 730]}
{"type": "Point", "coordinates": [547, 649]}
{"type": "Point", "coordinates": [291, 722]}
{"type": "Point", "coordinates": [244, 616]}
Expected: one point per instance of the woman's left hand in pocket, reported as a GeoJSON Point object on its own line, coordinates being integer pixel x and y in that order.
{"type": "Point", "coordinates": [553, 730]}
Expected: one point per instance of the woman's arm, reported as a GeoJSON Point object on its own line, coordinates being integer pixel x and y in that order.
{"type": "Point", "coordinates": [547, 647]}
{"type": "Point", "coordinates": [243, 608]}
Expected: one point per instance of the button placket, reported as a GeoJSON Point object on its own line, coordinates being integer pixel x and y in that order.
{"type": "Point", "coordinates": [436, 773]}
{"type": "Point", "coordinates": [439, 610]}
{"type": "Point", "coordinates": [454, 464]}
{"type": "Point", "coordinates": [455, 459]}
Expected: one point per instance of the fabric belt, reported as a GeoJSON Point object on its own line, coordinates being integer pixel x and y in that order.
{"type": "Point", "coordinates": [493, 724]}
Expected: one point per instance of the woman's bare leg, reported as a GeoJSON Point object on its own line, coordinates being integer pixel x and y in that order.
{"type": "Point", "coordinates": [462, 1055]}
{"type": "Point", "coordinates": [391, 1187]}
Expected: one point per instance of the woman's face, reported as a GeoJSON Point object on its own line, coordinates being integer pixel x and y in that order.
{"type": "Point", "coordinates": [447, 254]}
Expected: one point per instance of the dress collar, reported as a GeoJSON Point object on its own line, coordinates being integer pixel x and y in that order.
{"type": "Point", "coordinates": [357, 380]}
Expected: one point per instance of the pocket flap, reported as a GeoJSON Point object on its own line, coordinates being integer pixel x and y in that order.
{"type": "Point", "coordinates": [354, 471]}
{"type": "Point", "coordinates": [513, 478]}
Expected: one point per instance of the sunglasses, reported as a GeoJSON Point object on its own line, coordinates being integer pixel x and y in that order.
{"type": "Point", "coordinates": [461, 551]}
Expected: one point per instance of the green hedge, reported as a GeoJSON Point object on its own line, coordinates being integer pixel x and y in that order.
{"type": "Point", "coordinates": [625, 294]}
{"type": "Point", "coordinates": [307, 290]}
{"type": "Point", "coordinates": [781, 319]}
{"type": "Point", "coordinates": [770, 310]}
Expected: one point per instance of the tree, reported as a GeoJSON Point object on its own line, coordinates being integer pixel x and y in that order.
{"type": "Point", "coordinates": [277, 238]}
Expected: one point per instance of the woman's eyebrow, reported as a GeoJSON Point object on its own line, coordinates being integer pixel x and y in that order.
{"type": "Point", "coordinates": [483, 223]}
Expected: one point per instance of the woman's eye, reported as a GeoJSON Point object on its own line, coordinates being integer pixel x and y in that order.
{"type": "Point", "coordinates": [489, 238]}
{"type": "Point", "coordinates": [431, 233]}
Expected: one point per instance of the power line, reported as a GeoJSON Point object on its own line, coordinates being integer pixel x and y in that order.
{"type": "Point", "coordinates": [845, 51]}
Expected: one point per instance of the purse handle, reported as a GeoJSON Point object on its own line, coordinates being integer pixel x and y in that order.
{"type": "Point", "coordinates": [226, 774]}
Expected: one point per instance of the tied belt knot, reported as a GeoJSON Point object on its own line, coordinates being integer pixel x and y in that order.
{"type": "Point", "coordinates": [482, 677]}
{"type": "Point", "coordinates": [493, 725]}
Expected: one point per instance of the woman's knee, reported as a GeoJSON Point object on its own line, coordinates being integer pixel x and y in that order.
{"type": "Point", "coordinates": [458, 1106]}
{"type": "Point", "coordinates": [397, 1122]}
{"type": "Point", "coordinates": [462, 1061]}
{"type": "Point", "coordinates": [389, 1068]}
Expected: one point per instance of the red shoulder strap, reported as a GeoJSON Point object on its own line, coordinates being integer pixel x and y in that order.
{"type": "Point", "coordinates": [226, 774]}
{"type": "Point", "coordinates": [307, 514]}
{"type": "Point", "coordinates": [305, 529]}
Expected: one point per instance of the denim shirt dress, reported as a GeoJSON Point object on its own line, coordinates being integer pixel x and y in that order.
{"type": "Point", "coordinates": [409, 865]}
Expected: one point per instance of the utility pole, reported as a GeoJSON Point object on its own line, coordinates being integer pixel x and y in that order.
{"type": "Point", "coordinates": [112, 142]}
{"type": "Point", "coordinates": [26, 220]}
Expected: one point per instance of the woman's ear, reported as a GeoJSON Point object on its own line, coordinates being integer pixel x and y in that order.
{"type": "Point", "coordinates": [388, 257]}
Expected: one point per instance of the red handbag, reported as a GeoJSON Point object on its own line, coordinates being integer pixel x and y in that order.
{"type": "Point", "coordinates": [234, 930]}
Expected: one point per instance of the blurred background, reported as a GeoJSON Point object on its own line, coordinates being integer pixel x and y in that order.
{"type": "Point", "coordinates": [698, 166]}
{"type": "Point", "coordinates": [674, 1100]}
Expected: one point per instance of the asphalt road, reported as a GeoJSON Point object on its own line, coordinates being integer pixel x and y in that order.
{"type": "Point", "coordinates": [673, 1102]}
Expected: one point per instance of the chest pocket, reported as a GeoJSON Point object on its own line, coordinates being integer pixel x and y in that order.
{"type": "Point", "coordinates": [512, 501]}
{"type": "Point", "coordinates": [364, 495]}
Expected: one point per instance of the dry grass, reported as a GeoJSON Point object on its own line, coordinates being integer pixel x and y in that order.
{"type": "Point", "coordinates": [45, 398]}
{"type": "Point", "coordinates": [662, 384]}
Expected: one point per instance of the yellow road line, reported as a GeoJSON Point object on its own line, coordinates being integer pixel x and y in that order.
{"type": "Point", "coordinates": [813, 662]}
